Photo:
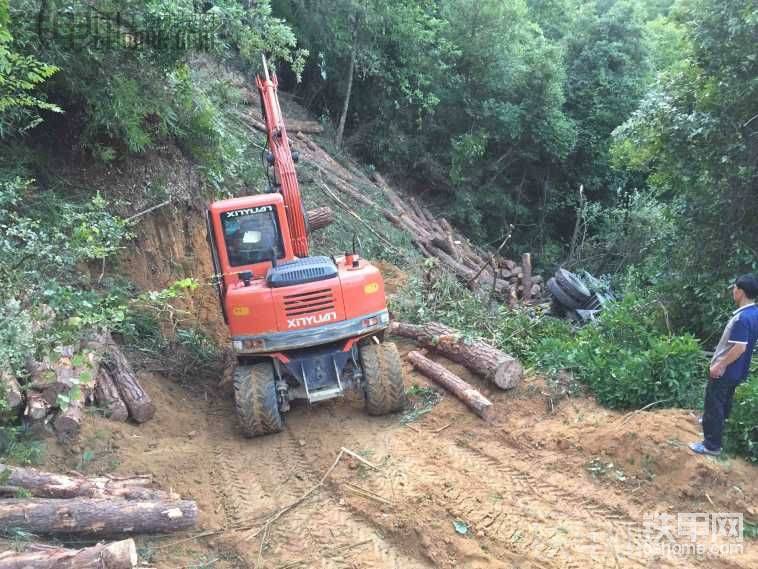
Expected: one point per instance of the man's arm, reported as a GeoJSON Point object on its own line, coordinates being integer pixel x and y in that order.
{"type": "Point", "coordinates": [734, 353]}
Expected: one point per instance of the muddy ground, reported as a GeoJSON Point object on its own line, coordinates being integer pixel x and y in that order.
{"type": "Point", "coordinates": [564, 485]}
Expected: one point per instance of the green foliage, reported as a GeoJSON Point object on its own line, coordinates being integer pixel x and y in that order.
{"type": "Point", "coordinates": [629, 359]}
{"type": "Point", "coordinates": [18, 446]}
{"type": "Point", "coordinates": [741, 433]}
{"type": "Point", "coordinates": [21, 77]}
{"type": "Point", "coordinates": [124, 80]}
{"type": "Point", "coordinates": [694, 138]}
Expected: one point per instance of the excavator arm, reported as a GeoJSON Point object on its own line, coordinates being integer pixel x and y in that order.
{"type": "Point", "coordinates": [284, 166]}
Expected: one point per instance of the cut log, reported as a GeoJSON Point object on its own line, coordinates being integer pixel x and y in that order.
{"type": "Point", "coordinates": [11, 391]}
{"type": "Point", "coordinates": [475, 401]}
{"type": "Point", "coordinates": [487, 361]}
{"type": "Point", "coordinates": [36, 406]}
{"type": "Point", "coordinates": [115, 555]}
{"type": "Point", "coordinates": [108, 398]}
{"type": "Point", "coordinates": [68, 423]}
{"type": "Point", "coordinates": [319, 218]}
{"type": "Point", "coordinates": [96, 516]}
{"type": "Point", "coordinates": [51, 485]}
{"type": "Point", "coordinates": [137, 400]}
{"type": "Point", "coordinates": [306, 127]}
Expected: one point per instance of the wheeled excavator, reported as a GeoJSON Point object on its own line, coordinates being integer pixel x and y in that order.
{"type": "Point", "coordinates": [302, 327]}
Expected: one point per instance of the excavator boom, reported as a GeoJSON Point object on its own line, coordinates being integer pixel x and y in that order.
{"type": "Point", "coordinates": [284, 166]}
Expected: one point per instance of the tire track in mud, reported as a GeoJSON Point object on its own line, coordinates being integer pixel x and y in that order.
{"type": "Point", "coordinates": [330, 524]}
{"type": "Point", "coordinates": [232, 483]}
{"type": "Point", "coordinates": [514, 510]}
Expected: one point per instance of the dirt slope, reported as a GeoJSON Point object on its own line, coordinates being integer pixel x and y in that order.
{"type": "Point", "coordinates": [523, 486]}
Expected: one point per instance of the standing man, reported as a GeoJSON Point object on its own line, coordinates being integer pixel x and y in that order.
{"type": "Point", "coordinates": [730, 364]}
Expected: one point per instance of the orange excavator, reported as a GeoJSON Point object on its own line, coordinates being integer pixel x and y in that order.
{"type": "Point", "coordinates": [302, 327]}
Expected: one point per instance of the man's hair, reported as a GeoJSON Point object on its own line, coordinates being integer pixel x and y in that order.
{"type": "Point", "coordinates": [749, 285]}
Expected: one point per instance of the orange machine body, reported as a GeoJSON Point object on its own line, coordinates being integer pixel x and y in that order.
{"type": "Point", "coordinates": [253, 309]}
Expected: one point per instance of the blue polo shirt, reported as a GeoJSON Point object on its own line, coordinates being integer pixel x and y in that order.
{"type": "Point", "coordinates": [741, 329]}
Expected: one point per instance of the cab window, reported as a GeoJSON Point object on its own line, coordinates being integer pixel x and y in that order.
{"type": "Point", "coordinates": [252, 235]}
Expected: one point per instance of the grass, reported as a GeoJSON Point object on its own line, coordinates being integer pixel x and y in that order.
{"type": "Point", "coordinates": [20, 446]}
{"type": "Point", "coordinates": [421, 401]}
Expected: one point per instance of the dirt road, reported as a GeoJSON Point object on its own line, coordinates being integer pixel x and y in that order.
{"type": "Point", "coordinates": [538, 488]}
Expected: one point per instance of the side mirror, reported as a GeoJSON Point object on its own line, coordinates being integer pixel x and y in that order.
{"type": "Point", "coordinates": [272, 255]}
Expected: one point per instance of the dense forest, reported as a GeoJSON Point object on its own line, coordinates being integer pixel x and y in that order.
{"type": "Point", "coordinates": [615, 136]}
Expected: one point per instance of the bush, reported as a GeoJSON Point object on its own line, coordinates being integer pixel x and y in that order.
{"type": "Point", "coordinates": [630, 359]}
{"type": "Point", "coordinates": [742, 425]}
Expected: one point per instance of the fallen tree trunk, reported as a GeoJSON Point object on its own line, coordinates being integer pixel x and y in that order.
{"type": "Point", "coordinates": [141, 407]}
{"type": "Point", "coordinates": [319, 218]}
{"type": "Point", "coordinates": [474, 400]}
{"type": "Point", "coordinates": [115, 555]}
{"type": "Point", "coordinates": [107, 397]}
{"type": "Point", "coordinates": [498, 367]}
{"type": "Point", "coordinates": [51, 485]}
{"type": "Point", "coordinates": [96, 516]}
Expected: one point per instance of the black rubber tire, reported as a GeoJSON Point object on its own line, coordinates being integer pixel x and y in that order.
{"type": "Point", "coordinates": [560, 296]}
{"type": "Point", "coordinates": [383, 376]}
{"type": "Point", "coordinates": [573, 286]}
{"type": "Point", "coordinates": [256, 400]}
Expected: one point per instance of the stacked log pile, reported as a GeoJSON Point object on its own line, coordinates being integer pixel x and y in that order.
{"type": "Point", "coordinates": [497, 367]}
{"type": "Point", "coordinates": [95, 371]}
{"type": "Point", "coordinates": [77, 506]}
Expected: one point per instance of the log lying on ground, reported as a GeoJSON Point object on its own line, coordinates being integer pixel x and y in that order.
{"type": "Point", "coordinates": [108, 398]}
{"type": "Point", "coordinates": [306, 127]}
{"type": "Point", "coordinates": [51, 485]}
{"type": "Point", "coordinates": [96, 516]}
{"type": "Point", "coordinates": [115, 555]}
{"type": "Point", "coordinates": [477, 402]}
{"type": "Point", "coordinates": [292, 126]}
{"type": "Point", "coordinates": [498, 367]}
{"type": "Point", "coordinates": [141, 407]}
{"type": "Point", "coordinates": [319, 218]}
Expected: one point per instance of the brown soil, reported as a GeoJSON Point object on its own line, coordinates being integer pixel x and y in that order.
{"type": "Point", "coordinates": [527, 487]}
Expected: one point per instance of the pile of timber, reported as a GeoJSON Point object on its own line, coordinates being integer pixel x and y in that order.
{"type": "Point", "coordinates": [436, 238]}
{"type": "Point", "coordinates": [509, 280]}
{"type": "Point", "coordinates": [481, 358]}
{"type": "Point", "coordinates": [497, 367]}
{"type": "Point", "coordinates": [89, 508]}
{"type": "Point", "coordinates": [95, 371]}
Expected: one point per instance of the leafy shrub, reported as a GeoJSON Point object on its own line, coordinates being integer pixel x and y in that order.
{"type": "Point", "coordinates": [742, 425]}
{"type": "Point", "coordinates": [630, 359]}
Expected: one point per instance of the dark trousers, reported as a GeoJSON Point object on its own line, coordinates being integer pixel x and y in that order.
{"type": "Point", "coordinates": [718, 403]}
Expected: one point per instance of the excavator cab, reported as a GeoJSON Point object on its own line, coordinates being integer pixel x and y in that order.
{"type": "Point", "coordinates": [302, 327]}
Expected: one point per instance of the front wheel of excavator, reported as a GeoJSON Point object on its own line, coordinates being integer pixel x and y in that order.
{"type": "Point", "coordinates": [256, 399]}
{"type": "Point", "coordinates": [383, 378]}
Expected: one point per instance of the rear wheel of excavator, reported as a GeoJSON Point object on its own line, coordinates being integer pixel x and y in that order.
{"type": "Point", "coordinates": [256, 399]}
{"type": "Point", "coordinates": [383, 378]}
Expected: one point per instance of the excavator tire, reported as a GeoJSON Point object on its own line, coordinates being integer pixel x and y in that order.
{"type": "Point", "coordinates": [383, 373]}
{"type": "Point", "coordinates": [256, 400]}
